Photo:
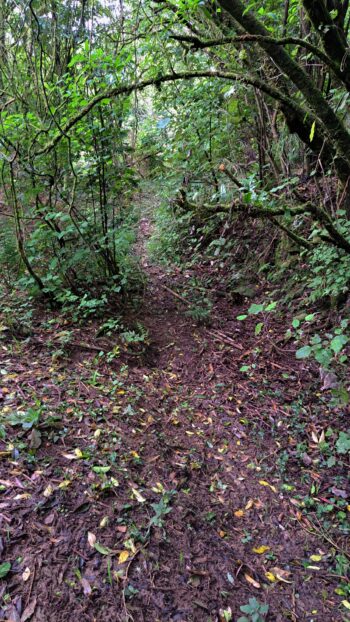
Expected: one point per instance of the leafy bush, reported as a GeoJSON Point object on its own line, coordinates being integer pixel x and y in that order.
{"type": "Point", "coordinates": [329, 269]}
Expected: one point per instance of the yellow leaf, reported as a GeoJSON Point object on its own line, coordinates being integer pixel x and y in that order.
{"type": "Point", "coordinates": [129, 544]}
{"type": "Point", "coordinates": [239, 513]}
{"type": "Point", "coordinates": [249, 504]}
{"type": "Point", "coordinates": [63, 485]}
{"type": "Point", "coordinates": [281, 574]}
{"type": "Point", "coordinates": [134, 454]}
{"type": "Point", "coordinates": [312, 131]}
{"type": "Point", "coordinates": [271, 577]}
{"type": "Point", "coordinates": [252, 581]}
{"type": "Point", "coordinates": [97, 433]}
{"type": "Point", "coordinates": [121, 392]}
{"type": "Point", "coordinates": [48, 491]}
{"type": "Point", "coordinates": [261, 549]}
{"type": "Point", "coordinates": [104, 522]}
{"type": "Point", "coordinates": [138, 496]}
{"type": "Point", "coordinates": [159, 488]}
{"type": "Point", "coordinates": [348, 508]}
{"type": "Point", "coordinates": [262, 482]}
{"type": "Point", "coordinates": [123, 556]}
{"type": "Point", "coordinates": [316, 558]}
{"type": "Point", "coordinates": [78, 453]}
{"type": "Point", "coordinates": [346, 604]}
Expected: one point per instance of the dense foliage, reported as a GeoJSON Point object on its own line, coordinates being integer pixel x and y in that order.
{"type": "Point", "coordinates": [236, 113]}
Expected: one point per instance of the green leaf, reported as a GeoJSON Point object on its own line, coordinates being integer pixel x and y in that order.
{"type": "Point", "coordinates": [331, 461]}
{"type": "Point", "coordinates": [4, 569]}
{"type": "Point", "coordinates": [102, 549]}
{"type": "Point", "coordinates": [338, 343]}
{"type": "Point", "coordinates": [101, 469]}
{"type": "Point", "coordinates": [255, 309]}
{"type": "Point", "coordinates": [310, 317]}
{"type": "Point", "coordinates": [312, 131]}
{"type": "Point", "coordinates": [303, 352]}
{"type": "Point", "coordinates": [323, 357]}
{"type": "Point", "coordinates": [296, 323]}
{"type": "Point", "coordinates": [258, 328]}
{"type": "Point", "coordinates": [241, 317]}
{"type": "Point", "coordinates": [343, 443]}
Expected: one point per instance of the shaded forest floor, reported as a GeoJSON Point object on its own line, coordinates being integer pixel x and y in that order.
{"type": "Point", "coordinates": [167, 484]}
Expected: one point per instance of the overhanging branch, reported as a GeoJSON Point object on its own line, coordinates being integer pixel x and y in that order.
{"type": "Point", "coordinates": [199, 44]}
{"type": "Point", "coordinates": [124, 89]}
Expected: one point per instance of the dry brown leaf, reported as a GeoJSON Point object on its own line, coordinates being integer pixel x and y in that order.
{"type": "Point", "coordinates": [29, 610]}
{"type": "Point", "coordinates": [252, 581]}
{"type": "Point", "coordinates": [87, 589]}
{"type": "Point", "coordinates": [91, 539]}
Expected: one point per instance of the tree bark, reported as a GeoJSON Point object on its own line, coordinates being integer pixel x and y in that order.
{"type": "Point", "coordinates": [337, 132]}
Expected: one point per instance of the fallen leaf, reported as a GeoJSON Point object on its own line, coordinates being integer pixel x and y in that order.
{"type": "Point", "coordinates": [102, 549]}
{"type": "Point", "coordinates": [123, 556]}
{"type": "Point", "coordinates": [252, 581]}
{"type": "Point", "coordinates": [346, 604]}
{"type": "Point", "coordinates": [104, 522]}
{"type": "Point", "coordinates": [48, 491]}
{"type": "Point", "coordinates": [338, 492]}
{"type": "Point", "coordinates": [78, 453]}
{"type": "Point", "coordinates": [262, 482]}
{"type": "Point", "coordinates": [26, 574]}
{"type": "Point", "coordinates": [261, 549]}
{"type": "Point", "coordinates": [35, 439]}
{"type": "Point", "coordinates": [138, 496]}
{"type": "Point", "coordinates": [91, 539]}
{"type": "Point", "coordinates": [281, 574]}
{"type": "Point", "coordinates": [63, 485]}
{"type": "Point", "coordinates": [87, 589]}
{"type": "Point", "coordinates": [29, 610]}
{"type": "Point", "coordinates": [13, 614]}
{"type": "Point", "coordinates": [4, 569]}
{"type": "Point", "coordinates": [316, 558]}
{"type": "Point", "coordinates": [271, 577]}
{"type": "Point", "coordinates": [239, 513]}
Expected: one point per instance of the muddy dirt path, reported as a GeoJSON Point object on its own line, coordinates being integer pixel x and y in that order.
{"type": "Point", "coordinates": [148, 489]}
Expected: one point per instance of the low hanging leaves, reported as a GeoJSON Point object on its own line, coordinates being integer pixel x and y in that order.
{"type": "Point", "coordinates": [312, 131]}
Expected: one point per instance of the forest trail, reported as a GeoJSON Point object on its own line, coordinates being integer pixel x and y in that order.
{"type": "Point", "coordinates": [149, 491]}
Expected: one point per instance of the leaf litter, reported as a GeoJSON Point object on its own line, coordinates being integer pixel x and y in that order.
{"type": "Point", "coordinates": [152, 491]}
